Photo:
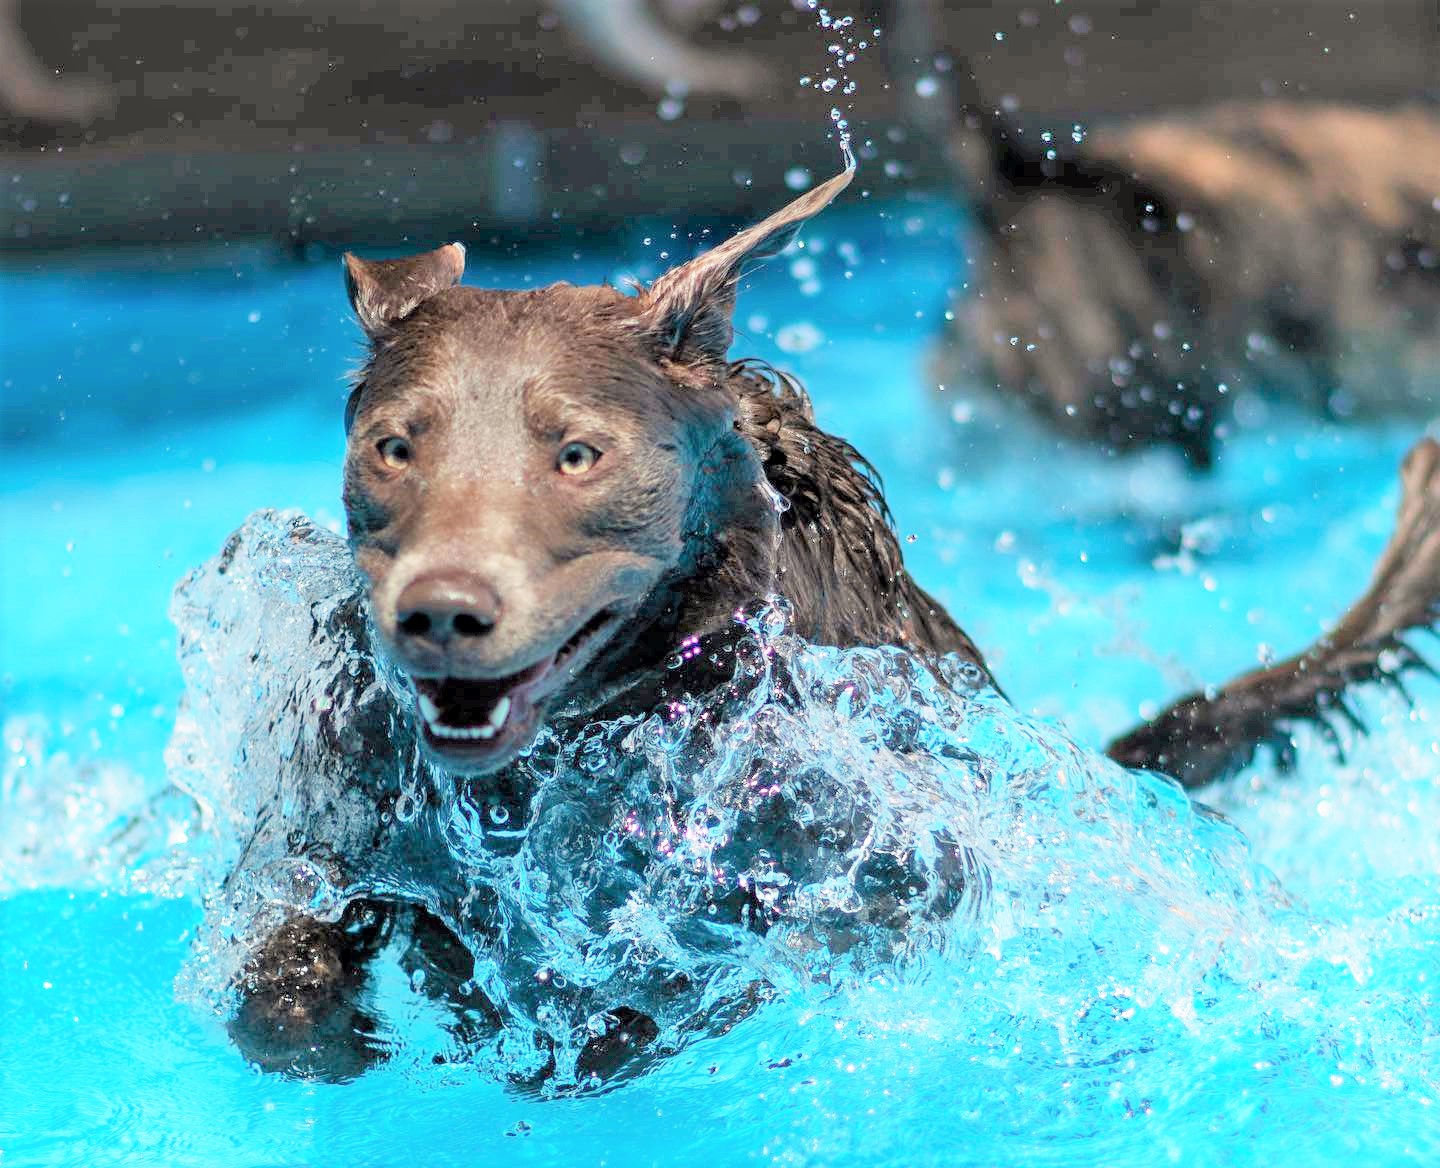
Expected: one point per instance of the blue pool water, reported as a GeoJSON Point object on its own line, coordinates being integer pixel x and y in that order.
{"type": "Point", "coordinates": [1141, 983]}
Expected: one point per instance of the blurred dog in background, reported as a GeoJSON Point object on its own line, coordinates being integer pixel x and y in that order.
{"type": "Point", "coordinates": [1128, 289]}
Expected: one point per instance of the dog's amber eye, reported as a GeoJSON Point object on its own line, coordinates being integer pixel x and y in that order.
{"type": "Point", "coordinates": [576, 458]}
{"type": "Point", "coordinates": [394, 452]}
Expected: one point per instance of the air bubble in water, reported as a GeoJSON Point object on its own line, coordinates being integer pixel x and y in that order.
{"type": "Point", "coordinates": [406, 807]}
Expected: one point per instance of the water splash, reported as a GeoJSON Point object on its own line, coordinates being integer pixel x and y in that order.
{"type": "Point", "coordinates": [848, 831]}
{"type": "Point", "coordinates": [76, 821]}
{"type": "Point", "coordinates": [846, 44]}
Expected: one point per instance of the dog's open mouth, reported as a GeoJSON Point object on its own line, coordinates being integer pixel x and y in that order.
{"type": "Point", "coordinates": [480, 721]}
{"type": "Point", "coordinates": [458, 709]}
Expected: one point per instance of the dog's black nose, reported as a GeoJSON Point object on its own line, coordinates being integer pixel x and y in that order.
{"type": "Point", "coordinates": [443, 609]}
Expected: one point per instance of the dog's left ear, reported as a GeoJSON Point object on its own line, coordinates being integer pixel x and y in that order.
{"type": "Point", "coordinates": [688, 309]}
{"type": "Point", "coordinates": [385, 292]}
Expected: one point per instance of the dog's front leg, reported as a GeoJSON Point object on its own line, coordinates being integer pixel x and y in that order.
{"type": "Point", "coordinates": [301, 1009]}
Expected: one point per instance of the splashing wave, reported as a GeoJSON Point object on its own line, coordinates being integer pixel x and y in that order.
{"type": "Point", "coordinates": [833, 828]}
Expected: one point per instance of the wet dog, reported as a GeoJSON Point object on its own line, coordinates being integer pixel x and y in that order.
{"type": "Point", "coordinates": [550, 491]}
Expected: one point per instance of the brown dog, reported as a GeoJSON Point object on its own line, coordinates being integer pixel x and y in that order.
{"type": "Point", "coordinates": [548, 492]}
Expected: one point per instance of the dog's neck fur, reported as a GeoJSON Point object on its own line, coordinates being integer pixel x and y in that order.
{"type": "Point", "coordinates": [821, 537]}
{"type": "Point", "coordinates": [798, 513]}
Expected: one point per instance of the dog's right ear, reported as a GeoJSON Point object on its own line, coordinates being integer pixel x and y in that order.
{"type": "Point", "coordinates": [385, 292]}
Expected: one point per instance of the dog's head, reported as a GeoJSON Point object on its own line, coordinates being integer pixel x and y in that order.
{"type": "Point", "coordinates": [536, 482]}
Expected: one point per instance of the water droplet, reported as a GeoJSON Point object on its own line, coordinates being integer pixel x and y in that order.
{"type": "Point", "coordinates": [801, 337]}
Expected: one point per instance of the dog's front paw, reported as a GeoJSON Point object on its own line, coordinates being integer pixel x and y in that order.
{"type": "Point", "coordinates": [299, 1012]}
{"type": "Point", "coordinates": [289, 1036]}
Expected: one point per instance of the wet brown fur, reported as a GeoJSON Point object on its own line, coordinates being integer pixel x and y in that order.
{"type": "Point", "coordinates": [830, 549]}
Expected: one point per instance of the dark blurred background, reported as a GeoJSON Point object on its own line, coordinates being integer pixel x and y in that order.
{"type": "Point", "coordinates": [329, 121]}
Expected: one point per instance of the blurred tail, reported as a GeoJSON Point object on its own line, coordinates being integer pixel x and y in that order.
{"type": "Point", "coordinates": [1200, 739]}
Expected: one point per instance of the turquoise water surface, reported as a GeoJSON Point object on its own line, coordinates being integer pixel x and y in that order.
{"type": "Point", "coordinates": [1142, 982]}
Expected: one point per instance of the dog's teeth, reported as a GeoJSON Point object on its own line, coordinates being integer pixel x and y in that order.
{"type": "Point", "coordinates": [494, 723]}
{"type": "Point", "coordinates": [460, 733]}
